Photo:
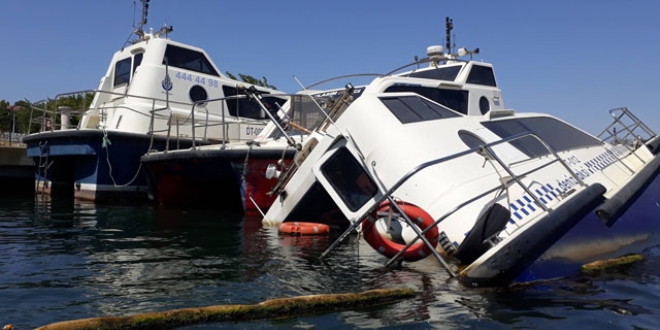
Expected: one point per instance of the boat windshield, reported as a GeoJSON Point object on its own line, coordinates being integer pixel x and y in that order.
{"type": "Point", "coordinates": [188, 59]}
{"type": "Point", "coordinates": [412, 109]}
{"type": "Point", "coordinates": [246, 108]}
{"type": "Point", "coordinates": [451, 98]}
{"type": "Point", "coordinates": [482, 75]}
{"type": "Point", "coordinates": [448, 73]}
{"type": "Point", "coordinates": [558, 135]}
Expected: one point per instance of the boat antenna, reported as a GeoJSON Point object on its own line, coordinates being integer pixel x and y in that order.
{"type": "Point", "coordinates": [139, 28]}
{"type": "Point", "coordinates": [449, 25]}
{"type": "Point", "coordinates": [299, 83]}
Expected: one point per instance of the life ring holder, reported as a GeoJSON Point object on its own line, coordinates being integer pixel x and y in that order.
{"type": "Point", "coordinates": [388, 248]}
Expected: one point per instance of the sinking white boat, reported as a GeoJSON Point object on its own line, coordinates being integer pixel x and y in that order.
{"type": "Point", "coordinates": [503, 196]}
{"type": "Point", "coordinates": [154, 89]}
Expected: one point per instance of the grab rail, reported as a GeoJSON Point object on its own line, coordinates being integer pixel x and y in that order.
{"type": "Point", "coordinates": [483, 149]}
{"type": "Point", "coordinates": [52, 113]}
{"type": "Point", "coordinates": [205, 123]}
{"type": "Point", "coordinates": [48, 118]}
{"type": "Point", "coordinates": [628, 133]}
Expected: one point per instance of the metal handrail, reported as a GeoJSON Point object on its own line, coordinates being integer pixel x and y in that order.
{"type": "Point", "coordinates": [479, 149]}
{"type": "Point", "coordinates": [52, 113]}
{"type": "Point", "coordinates": [205, 123]}
{"type": "Point", "coordinates": [469, 201]}
{"type": "Point", "coordinates": [48, 114]}
{"type": "Point", "coordinates": [488, 146]}
{"type": "Point", "coordinates": [628, 131]}
{"type": "Point", "coordinates": [250, 93]}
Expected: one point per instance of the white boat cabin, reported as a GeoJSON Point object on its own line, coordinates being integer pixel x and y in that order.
{"type": "Point", "coordinates": [160, 76]}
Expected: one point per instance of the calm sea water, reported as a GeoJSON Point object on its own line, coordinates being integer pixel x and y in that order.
{"type": "Point", "coordinates": [63, 260]}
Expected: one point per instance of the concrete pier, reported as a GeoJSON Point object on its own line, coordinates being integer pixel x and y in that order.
{"type": "Point", "coordinates": [16, 170]}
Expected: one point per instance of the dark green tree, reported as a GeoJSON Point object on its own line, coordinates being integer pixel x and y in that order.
{"type": "Point", "coordinates": [30, 116]}
{"type": "Point", "coordinates": [5, 116]}
{"type": "Point", "coordinates": [263, 82]}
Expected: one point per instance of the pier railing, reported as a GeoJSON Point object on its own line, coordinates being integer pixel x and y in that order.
{"type": "Point", "coordinates": [12, 139]}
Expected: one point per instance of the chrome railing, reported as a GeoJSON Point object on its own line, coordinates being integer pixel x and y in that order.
{"type": "Point", "coordinates": [287, 115]}
{"type": "Point", "coordinates": [485, 150]}
{"type": "Point", "coordinates": [204, 123]}
{"type": "Point", "coordinates": [47, 114]}
{"type": "Point", "coordinates": [626, 129]}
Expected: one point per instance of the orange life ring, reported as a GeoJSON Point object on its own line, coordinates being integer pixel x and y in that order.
{"type": "Point", "coordinates": [388, 248]}
{"type": "Point", "coordinates": [304, 228]}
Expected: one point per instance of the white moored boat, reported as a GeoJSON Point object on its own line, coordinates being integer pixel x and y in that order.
{"type": "Point", "coordinates": [150, 83]}
{"type": "Point", "coordinates": [508, 196]}
{"type": "Point", "coordinates": [237, 175]}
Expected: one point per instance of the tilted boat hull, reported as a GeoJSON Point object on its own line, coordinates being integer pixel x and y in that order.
{"type": "Point", "coordinates": [232, 178]}
{"type": "Point", "coordinates": [635, 230]}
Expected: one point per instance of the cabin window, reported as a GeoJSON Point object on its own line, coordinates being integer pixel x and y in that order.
{"type": "Point", "coordinates": [441, 73]}
{"type": "Point", "coordinates": [198, 93]}
{"type": "Point", "coordinates": [188, 59]}
{"type": "Point", "coordinates": [412, 109]}
{"type": "Point", "coordinates": [244, 107]}
{"type": "Point", "coordinates": [349, 179]}
{"type": "Point", "coordinates": [137, 60]}
{"type": "Point", "coordinates": [122, 72]}
{"type": "Point", "coordinates": [481, 75]}
{"type": "Point", "coordinates": [451, 98]}
{"type": "Point", "coordinates": [484, 105]}
{"type": "Point", "coordinates": [558, 135]}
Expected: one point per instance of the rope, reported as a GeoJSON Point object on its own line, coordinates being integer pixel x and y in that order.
{"type": "Point", "coordinates": [106, 145]}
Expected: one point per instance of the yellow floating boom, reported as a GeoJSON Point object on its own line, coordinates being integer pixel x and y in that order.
{"type": "Point", "coordinates": [604, 265]}
{"type": "Point", "coordinates": [274, 308]}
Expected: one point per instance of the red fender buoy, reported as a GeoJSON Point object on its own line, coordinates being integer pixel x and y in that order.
{"type": "Point", "coordinates": [304, 228]}
{"type": "Point", "coordinates": [388, 248]}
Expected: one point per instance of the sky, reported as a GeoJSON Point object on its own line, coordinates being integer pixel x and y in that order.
{"type": "Point", "coordinates": [572, 59]}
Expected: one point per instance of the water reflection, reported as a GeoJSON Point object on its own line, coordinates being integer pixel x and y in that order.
{"type": "Point", "coordinates": [70, 259]}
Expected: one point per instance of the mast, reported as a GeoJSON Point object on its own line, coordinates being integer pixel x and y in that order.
{"type": "Point", "coordinates": [449, 25]}
{"type": "Point", "coordinates": [139, 29]}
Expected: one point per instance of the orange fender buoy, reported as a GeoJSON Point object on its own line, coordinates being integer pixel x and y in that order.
{"type": "Point", "coordinates": [304, 228]}
{"type": "Point", "coordinates": [388, 248]}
